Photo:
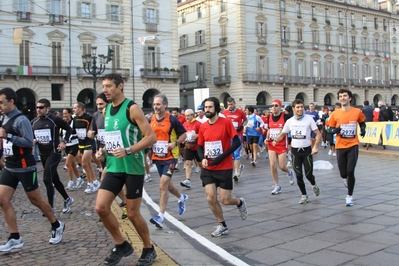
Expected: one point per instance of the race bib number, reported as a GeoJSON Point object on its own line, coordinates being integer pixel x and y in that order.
{"type": "Point", "coordinates": [348, 131]}
{"type": "Point", "coordinates": [160, 148]}
{"type": "Point", "coordinates": [235, 124]}
{"type": "Point", "coordinates": [7, 148]}
{"type": "Point", "coordinates": [43, 136]}
{"type": "Point", "coordinates": [213, 149]}
{"type": "Point", "coordinates": [274, 132]}
{"type": "Point", "coordinates": [113, 140]}
{"type": "Point", "coordinates": [189, 137]}
{"type": "Point", "coordinates": [298, 132]}
{"type": "Point", "coordinates": [250, 124]}
{"type": "Point", "coordinates": [100, 136]}
{"type": "Point", "coordinates": [81, 133]}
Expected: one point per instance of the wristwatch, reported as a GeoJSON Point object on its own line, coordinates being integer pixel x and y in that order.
{"type": "Point", "coordinates": [128, 151]}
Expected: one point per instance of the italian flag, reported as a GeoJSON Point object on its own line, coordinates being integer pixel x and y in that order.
{"type": "Point", "coordinates": [25, 70]}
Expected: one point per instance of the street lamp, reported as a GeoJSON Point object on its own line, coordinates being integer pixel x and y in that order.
{"type": "Point", "coordinates": [90, 67]}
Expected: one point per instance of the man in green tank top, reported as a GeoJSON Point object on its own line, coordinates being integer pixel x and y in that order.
{"type": "Point", "coordinates": [127, 134]}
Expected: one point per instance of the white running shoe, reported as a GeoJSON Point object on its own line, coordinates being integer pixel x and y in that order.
{"type": "Point", "coordinates": [276, 190]}
{"type": "Point", "coordinates": [89, 189]}
{"type": "Point", "coordinates": [147, 178]}
{"type": "Point", "coordinates": [291, 176]}
{"type": "Point", "coordinates": [70, 185]}
{"type": "Point", "coordinates": [236, 176]}
{"type": "Point", "coordinates": [67, 205]}
{"type": "Point", "coordinates": [304, 199]}
{"type": "Point", "coordinates": [241, 169]}
{"type": "Point", "coordinates": [56, 234]}
{"type": "Point", "coordinates": [11, 244]}
{"type": "Point", "coordinates": [220, 230]}
{"type": "Point", "coordinates": [197, 169]}
{"type": "Point", "coordinates": [186, 183]}
{"type": "Point", "coordinates": [330, 152]}
{"type": "Point", "coordinates": [349, 201]}
{"type": "Point", "coordinates": [79, 182]}
{"type": "Point", "coordinates": [96, 185]}
{"type": "Point", "coordinates": [334, 154]}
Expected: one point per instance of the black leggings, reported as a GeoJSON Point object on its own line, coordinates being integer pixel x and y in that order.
{"type": "Point", "coordinates": [50, 176]}
{"type": "Point", "coordinates": [303, 157]}
{"type": "Point", "coordinates": [347, 159]}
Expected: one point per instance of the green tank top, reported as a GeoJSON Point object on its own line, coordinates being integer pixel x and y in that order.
{"type": "Point", "coordinates": [121, 132]}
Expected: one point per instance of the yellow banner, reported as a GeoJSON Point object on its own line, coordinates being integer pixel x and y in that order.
{"type": "Point", "coordinates": [390, 133]}
{"type": "Point", "coordinates": [373, 132]}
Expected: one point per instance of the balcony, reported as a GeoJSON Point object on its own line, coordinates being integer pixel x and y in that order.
{"type": "Point", "coordinates": [23, 16]}
{"type": "Point", "coordinates": [328, 47]}
{"type": "Point", "coordinates": [151, 27]}
{"type": "Point", "coordinates": [354, 50]}
{"type": "Point", "coordinates": [342, 49]}
{"type": "Point", "coordinates": [262, 40]}
{"type": "Point", "coordinates": [193, 84]}
{"type": "Point", "coordinates": [222, 80]}
{"type": "Point", "coordinates": [285, 42]}
{"type": "Point", "coordinates": [159, 74]}
{"type": "Point", "coordinates": [315, 46]}
{"type": "Point", "coordinates": [366, 53]}
{"type": "Point", "coordinates": [56, 19]}
{"type": "Point", "coordinates": [300, 44]}
{"type": "Point", "coordinates": [222, 41]}
{"type": "Point", "coordinates": [378, 53]}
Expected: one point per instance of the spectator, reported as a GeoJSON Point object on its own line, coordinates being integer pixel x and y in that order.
{"type": "Point", "coordinates": [368, 111]}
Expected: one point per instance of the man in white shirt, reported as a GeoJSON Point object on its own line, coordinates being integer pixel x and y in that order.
{"type": "Point", "coordinates": [301, 126]}
{"type": "Point", "coordinates": [201, 116]}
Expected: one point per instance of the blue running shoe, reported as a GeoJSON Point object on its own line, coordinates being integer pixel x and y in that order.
{"type": "Point", "coordinates": [181, 204]}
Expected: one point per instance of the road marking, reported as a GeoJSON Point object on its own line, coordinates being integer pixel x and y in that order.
{"type": "Point", "coordinates": [200, 239]}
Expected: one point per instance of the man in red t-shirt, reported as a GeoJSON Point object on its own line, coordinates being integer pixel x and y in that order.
{"type": "Point", "coordinates": [239, 120]}
{"type": "Point", "coordinates": [192, 128]}
{"type": "Point", "coordinates": [215, 149]}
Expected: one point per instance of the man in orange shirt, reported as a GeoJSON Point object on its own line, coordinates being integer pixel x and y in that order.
{"type": "Point", "coordinates": [343, 122]}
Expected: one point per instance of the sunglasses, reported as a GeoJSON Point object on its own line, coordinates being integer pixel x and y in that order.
{"type": "Point", "coordinates": [40, 107]}
{"type": "Point", "coordinates": [275, 105]}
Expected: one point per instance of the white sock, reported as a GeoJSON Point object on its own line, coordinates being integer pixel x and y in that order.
{"type": "Point", "coordinates": [162, 215]}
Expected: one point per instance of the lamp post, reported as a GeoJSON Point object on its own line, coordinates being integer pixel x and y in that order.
{"type": "Point", "coordinates": [90, 67]}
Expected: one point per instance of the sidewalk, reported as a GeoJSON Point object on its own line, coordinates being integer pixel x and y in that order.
{"type": "Point", "coordinates": [379, 151]}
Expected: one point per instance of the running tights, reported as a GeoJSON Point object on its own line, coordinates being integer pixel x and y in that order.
{"type": "Point", "coordinates": [347, 159]}
{"type": "Point", "coordinates": [50, 176]}
{"type": "Point", "coordinates": [303, 157]}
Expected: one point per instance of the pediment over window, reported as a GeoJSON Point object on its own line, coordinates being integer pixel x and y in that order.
{"type": "Point", "coordinates": [329, 57]}
{"type": "Point", "coordinates": [151, 3]}
{"type": "Point", "coordinates": [300, 55]}
{"type": "Point", "coordinates": [260, 18]}
{"type": "Point", "coordinates": [115, 38]}
{"type": "Point", "coordinates": [87, 36]}
{"type": "Point", "coordinates": [223, 52]}
{"type": "Point", "coordinates": [56, 35]}
{"type": "Point", "coordinates": [315, 57]}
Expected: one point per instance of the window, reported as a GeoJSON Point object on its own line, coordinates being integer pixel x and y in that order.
{"type": "Point", "coordinates": [260, 4]}
{"type": "Point", "coordinates": [315, 36]}
{"type": "Point", "coordinates": [223, 30]}
{"type": "Point", "coordinates": [352, 19]}
{"type": "Point", "coordinates": [384, 25]}
{"type": "Point", "coordinates": [284, 34]}
{"type": "Point", "coordinates": [184, 41]}
{"type": "Point", "coordinates": [300, 36]}
{"type": "Point", "coordinates": [377, 73]}
{"type": "Point", "coordinates": [354, 71]}
{"type": "Point", "coordinates": [282, 7]}
{"type": "Point", "coordinates": [223, 70]}
{"type": "Point", "coordinates": [116, 61]}
{"type": "Point", "coordinates": [366, 71]}
{"type": "Point", "coordinates": [285, 65]}
{"type": "Point", "coordinates": [340, 18]}
{"type": "Point", "coordinates": [261, 30]}
{"type": "Point", "coordinates": [184, 73]}
{"type": "Point", "coordinates": [340, 39]}
{"type": "Point", "coordinates": [201, 72]}
{"type": "Point", "coordinates": [364, 42]}
{"type": "Point", "coordinates": [262, 65]}
{"type": "Point", "coordinates": [85, 10]}
{"type": "Point", "coordinates": [55, 7]}
{"type": "Point", "coordinates": [326, 14]}
{"type": "Point", "coordinates": [114, 13]}
{"type": "Point", "coordinates": [200, 37]}
{"type": "Point", "coordinates": [151, 15]}
{"type": "Point", "coordinates": [315, 67]}
{"type": "Point", "coordinates": [23, 5]}
{"type": "Point", "coordinates": [24, 53]}
{"type": "Point", "coordinates": [199, 12]}
{"type": "Point", "coordinates": [151, 58]}
{"type": "Point", "coordinates": [376, 45]}
{"type": "Point", "coordinates": [375, 23]}
{"type": "Point", "coordinates": [301, 72]}
{"type": "Point", "coordinates": [183, 17]}
{"type": "Point", "coordinates": [313, 12]}
{"type": "Point", "coordinates": [384, 46]}
{"type": "Point", "coordinates": [56, 91]}
{"type": "Point", "coordinates": [341, 70]}
{"type": "Point", "coordinates": [353, 38]}
{"type": "Point", "coordinates": [298, 10]}
{"type": "Point", "coordinates": [56, 57]}
{"type": "Point", "coordinates": [328, 37]}
{"type": "Point", "coordinates": [364, 21]}
{"type": "Point", "coordinates": [375, 3]}
{"type": "Point", "coordinates": [329, 69]}
{"type": "Point", "coordinates": [223, 5]}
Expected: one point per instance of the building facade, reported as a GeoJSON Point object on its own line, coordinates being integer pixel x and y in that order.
{"type": "Point", "coordinates": [256, 51]}
{"type": "Point", "coordinates": [53, 35]}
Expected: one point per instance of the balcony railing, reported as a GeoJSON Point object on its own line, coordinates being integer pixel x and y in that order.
{"type": "Point", "coordinates": [285, 42]}
{"type": "Point", "coordinates": [24, 16]}
{"type": "Point", "coordinates": [342, 49]}
{"type": "Point", "coordinates": [56, 19]}
{"type": "Point", "coordinates": [223, 41]}
{"type": "Point", "coordinates": [151, 27]}
{"type": "Point", "coordinates": [301, 44]}
{"type": "Point", "coordinates": [328, 47]}
{"type": "Point", "coordinates": [261, 40]}
{"type": "Point", "coordinates": [159, 74]}
{"type": "Point", "coordinates": [193, 84]}
{"type": "Point", "coordinates": [222, 80]}
{"type": "Point", "coordinates": [378, 53]}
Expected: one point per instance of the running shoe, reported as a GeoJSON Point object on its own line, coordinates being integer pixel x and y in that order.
{"type": "Point", "coordinates": [12, 243]}
{"type": "Point", "coordinates": [220, 230]}
{"type": "Point", "coordinates": [330, 152]}
{"type": "Point", "coordinates": [181, 204]}
{"type": "Point", "coordinates": [276, 190]}
{"type": "Point", "coordinates": [147, 178]}
{"type": "Point", "coordinates": [96, 185]}
{"type": "Point", "coordinates": [345, 180]}
{"type": "Point", "coordinates": [79, 182]}
{"type": "Point", "coordinates": [289, 164]}
{"type": "Point", "coordinates": [316, 190]}
{"type": "Point", "coordinates": [197, 169]}
{"type": "Point", "coordinates": [117, 253]}
{"type": "Point", "coordinates": [243, 209]}
{"type": "Point", "coordinates": [253, 163]}
{"type": "Point", "coordinates": [241, 169]}
{"type": "Point", "coordinates": [89, 189]}
{"type": "Point", "coordinates": [147, 256]}
{"type": "Point", "coordinates": [334, 154]}
{"type": "Point", "coordinates": [349, 201]}
{"type": "Point", "coordinates": [157, 221]}
{"type": "Point", "coordinates": [70, 185]}
{"type": "Point", "coordinates": [186, 183]}
{"type": "Point", "coordinates": [124, 214]}
{"type": "Point", "coordinates": [56, 233]}
{"type": "Point", "coordinates": [304, 199]}
{"type": "Point", "coordinates": [291, 176]}
{"type": "Point", "coordinates": [236, 176]}
{"type": "Point", "coordinates": [65, 167]}
{"type": "Point", "coordinates": [67, 205]}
